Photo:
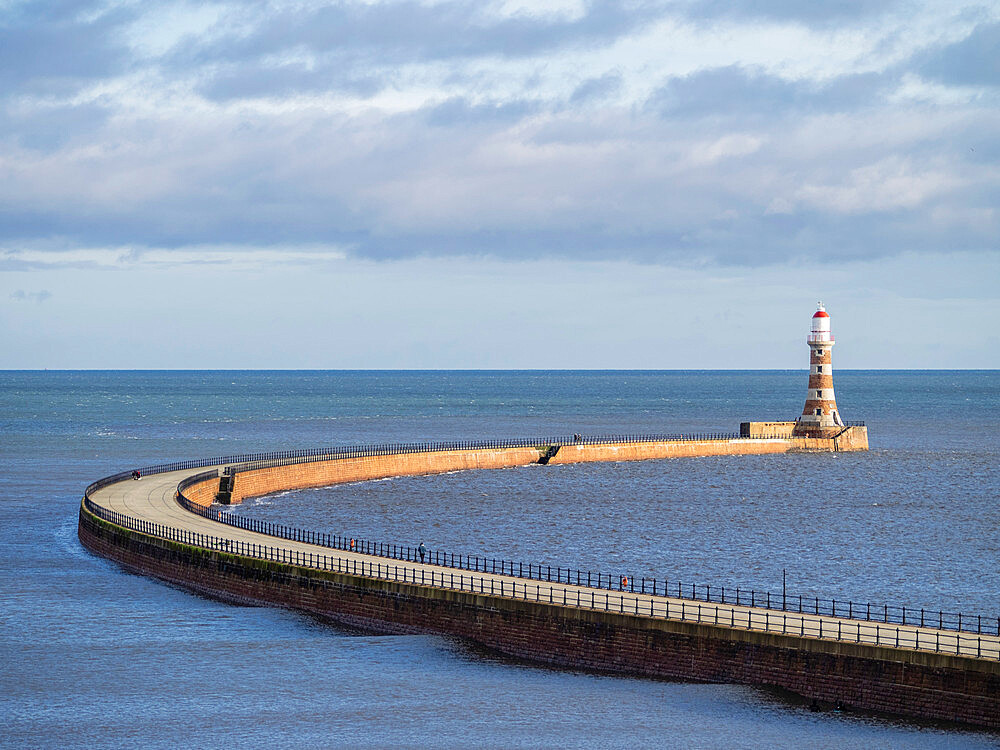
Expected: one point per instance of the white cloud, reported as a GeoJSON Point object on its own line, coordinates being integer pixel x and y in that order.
{"type": "Point", "coordinates": [126, 258]}
{"type": "Point", "coordinates": [734, 144]}
{"type": "Point", "coordinates": [886, 185]}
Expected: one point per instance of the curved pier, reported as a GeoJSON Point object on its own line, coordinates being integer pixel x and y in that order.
{"type": "Point", "coordinates": [873, 664]}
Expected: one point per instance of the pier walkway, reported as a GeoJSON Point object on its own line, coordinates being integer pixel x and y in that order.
{"type": "Point", "coordinates": [150, 505]}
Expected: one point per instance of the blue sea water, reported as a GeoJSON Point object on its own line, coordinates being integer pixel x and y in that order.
{"type": "Point", "coordinates": [95, 657]}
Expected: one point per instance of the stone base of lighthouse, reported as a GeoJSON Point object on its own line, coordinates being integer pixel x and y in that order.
{"type": "Point", "coordinates": [810, 437]}
{"type": "Point", "coordinates": [804, 428]}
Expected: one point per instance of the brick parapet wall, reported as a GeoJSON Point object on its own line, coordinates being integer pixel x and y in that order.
{"type": "Point", "coordinates": [323, 473]}
{"type": "Point", "coordinates": [259, 482]}
{"type": "Point", "coordinates": [203, 493]}
{"type": "Point", "coordinates": [569, 454]}
{"type": "Point", "coordinates": [919, 684]}
{"type": "Point", "coordinates": [851, 439]}
{"type": "Point", "coordinates": [767, 429]}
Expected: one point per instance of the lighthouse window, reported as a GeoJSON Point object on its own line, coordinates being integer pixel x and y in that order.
{"type": "Point", "coordinates": [818, 412]}
{"type": "Point", "coordinates": [819, 368]}
{"type": "Point", "coordinates": [819, 394]}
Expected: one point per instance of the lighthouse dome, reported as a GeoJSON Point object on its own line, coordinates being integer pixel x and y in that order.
{"type": "Point", "coordinates": [821, 320]}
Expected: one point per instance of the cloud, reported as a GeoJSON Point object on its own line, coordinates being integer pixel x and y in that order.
{"type": "Point", "coordinates": [596, 89]}
{"type": "Point", "coordinates": [57, 46]}
{"type": "Point", "coordinates": [38, 297]}
{"type": "Point", "coordinates": [459, 111]}
{"type": "Point", "coordinates": [43, 127]}
{"type": "Point", "coordinates": [256, 79]}
{"type": "Point", "coordinates": [888, 185]}
{"type": "Point", "coordinates": [404, 31]}
{"type": "Point", "coordinates": [359, 47]}
{"type": "Point", "coordinates": [147, 258]}
{"type": "Point", "coordinates": [402, 129]}
{"type": "Point", "coordinates": [818, 13]}
{"type": "Point", "coordinates": [736, 92]}
{"type": "Point", "coordinates": [973, 61]}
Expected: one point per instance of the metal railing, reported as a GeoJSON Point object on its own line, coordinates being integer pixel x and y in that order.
{"type": "Point", "coordinates": [739, 596]}
{"type": "Point", "coordinates": [796, 624]}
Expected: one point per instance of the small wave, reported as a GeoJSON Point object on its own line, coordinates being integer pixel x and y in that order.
{"type": "Point", "coordinates": [68, 541]}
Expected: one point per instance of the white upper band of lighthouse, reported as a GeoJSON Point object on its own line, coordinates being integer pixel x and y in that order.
{"type": "Point", "coordinates": [821, 327]}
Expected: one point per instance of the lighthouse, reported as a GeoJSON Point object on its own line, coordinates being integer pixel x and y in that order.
{"type": "Point", "coordinates": [820, 414]}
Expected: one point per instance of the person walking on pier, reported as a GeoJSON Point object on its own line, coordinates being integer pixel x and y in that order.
{"type": "Point", "coordinates": [422, 550]}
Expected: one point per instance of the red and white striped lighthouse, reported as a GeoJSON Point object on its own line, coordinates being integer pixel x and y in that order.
{"type": "Point", "coordinates": [820, 413]}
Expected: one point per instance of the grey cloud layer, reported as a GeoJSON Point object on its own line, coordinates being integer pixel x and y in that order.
{"type": "Point", "coordinates": [734, 92]}
{"type": "Point", "coordinates": [974, 60]}
{"type": "Point", "coordinates": [246, 144]}
{"type": "Point", "coordinates": [48, 47]}
{"type": "Point", "coordinates": [815, 13]}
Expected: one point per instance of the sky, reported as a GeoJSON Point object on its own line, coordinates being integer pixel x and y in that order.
{"type": "Point", "coordinates": [498, 184]}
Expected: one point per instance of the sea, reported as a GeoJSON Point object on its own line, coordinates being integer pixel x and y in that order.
{"type": "Point", "coordinates": [93, 656]}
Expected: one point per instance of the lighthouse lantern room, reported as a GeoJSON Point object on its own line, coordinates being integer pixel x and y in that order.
{"type": "Point", "coordinates": [820, 414]}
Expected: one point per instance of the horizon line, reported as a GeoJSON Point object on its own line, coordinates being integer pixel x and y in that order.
{"type": "Point", "coordinates": [494, 370]}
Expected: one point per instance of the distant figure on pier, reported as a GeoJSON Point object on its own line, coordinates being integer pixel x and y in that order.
{"type": "Point", "coordinates": [422, 550]}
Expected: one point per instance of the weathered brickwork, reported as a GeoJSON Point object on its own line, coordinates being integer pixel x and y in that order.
{"type": "Point", "coordinates": [766, 429]}
{"type": "Point", "coordinates": [825, 406]}
{"type": "Point", "coordinates": [569, 454]}
{"type": "Point", "coordinates": [202, 493]}
{"type": "Point", "coordinates": [818, 358]}
{"type": "Point", "coordinates": [916, 684]}
{"type": "Point", "coordinates": [325, 473]}
{"type": "Point", "coordinates": [851, 439]}
{"type": "Point", "coordinates": [820, 381]}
